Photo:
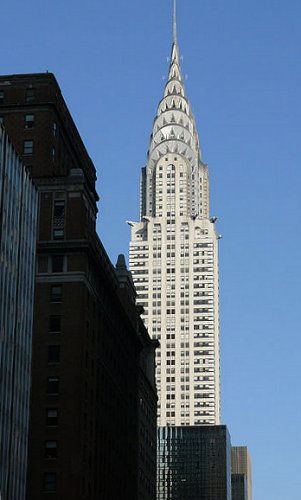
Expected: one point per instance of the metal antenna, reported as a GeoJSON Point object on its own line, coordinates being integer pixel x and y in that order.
{"type": "Point", "coordinates": [175, 21]}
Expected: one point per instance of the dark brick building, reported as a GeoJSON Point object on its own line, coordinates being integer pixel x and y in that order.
{"type": "Point", "coordinates": [147, 391]}
{"type": "Point", "coordinates": [88, 338]}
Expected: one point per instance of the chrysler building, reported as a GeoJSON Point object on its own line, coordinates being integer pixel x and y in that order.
{"type": "Point", "coordinates": [174, 261]}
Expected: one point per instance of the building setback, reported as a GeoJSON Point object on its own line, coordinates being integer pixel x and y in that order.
{"type": "Point", "coordinates": [194, 463]}
{"type": "Point", "coordinates": [174, 262]}
{"type": "Point", "coordinates": [18, 221]}
{"type": "Point", "coordinates": [87, 348]}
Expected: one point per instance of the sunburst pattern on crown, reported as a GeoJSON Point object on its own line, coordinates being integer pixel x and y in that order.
{"type": "Point", "coordinates": [174, 128]}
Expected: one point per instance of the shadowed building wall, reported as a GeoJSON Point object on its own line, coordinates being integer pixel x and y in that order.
{"type": "Point", "coordinates": [239, 487]}
{"type": "Point", "coordinates": [18, 222]}
{"type": "Point", "coordinates": [84, 426]}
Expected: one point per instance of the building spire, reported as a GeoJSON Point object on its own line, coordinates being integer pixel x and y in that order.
{"type": "Point", "coordinates": [174, 127]}
{"type": "Point", "coordinates": [175, 21]}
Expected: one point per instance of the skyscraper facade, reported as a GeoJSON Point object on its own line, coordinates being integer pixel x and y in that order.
{"type": "Point", "coordinates": [174, 262]}
{"type": "Point", "coordinates": [18, 221]}
{"type": "Point", "coordinates": [194, 463]}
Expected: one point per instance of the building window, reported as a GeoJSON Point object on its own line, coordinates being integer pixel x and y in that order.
{"type": "Point", "coordinates": [54, 352]}
{"type": "Point", "coordinates": [59, 209]}
{"type": "Point", "coordinates": [54, 128]}
{"type": "Point", "coordinates": [49, 481]}
{"type": "Point", "coordinates": [53, 385]}
{"type": "Point", "coordinates": [1, 120]}
{"type": "Point", "coordinates": [56, 293]}
{"type": "Point", "coordinates": [28, 147]}
{"type": "Point", "coordinates": [1, 96]}
{"type": "Point", "coordinates": [51, 449]}
{"type": "Point", "coordinates": [42, 264]}
{"type": "Point", "coordinates": [29, 95]}
{"type": "Point", "coordinates": [29, 121]}
{"type": "Point", "coordinates": [52, 415]}
{"type": "Point", "coordinates": [57, 263]}
{"type": "Point", "coordinates": [54, 324]}
{"type": "Point", "coordinates": [58, 234]}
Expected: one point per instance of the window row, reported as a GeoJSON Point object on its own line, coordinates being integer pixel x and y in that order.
{"type": "Point", "coordinates": [29, 96]}
{"type": "Point", "coordinates": [54, 264]}
{"type": "Point", "coordinates": [28, 147]}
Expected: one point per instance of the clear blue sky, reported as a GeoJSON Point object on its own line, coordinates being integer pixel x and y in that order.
{"type": "Point", "coordinates": [244, 80]}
